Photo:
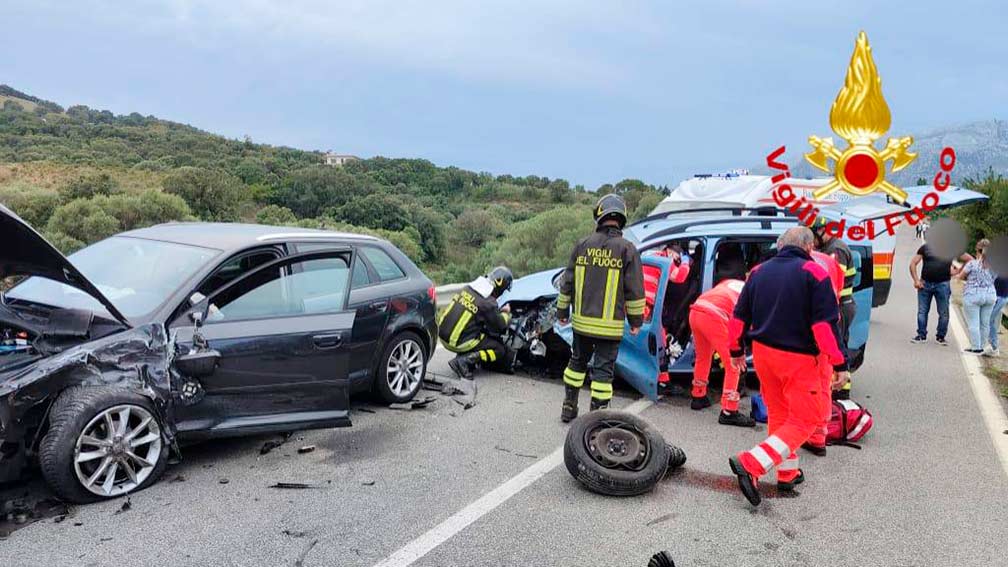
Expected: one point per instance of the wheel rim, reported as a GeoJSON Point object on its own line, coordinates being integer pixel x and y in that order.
{"type": "Point", "coordinates": [405, 368]}
{"type": "Point", "coordinates": [117, 450]}
{"type": "Point", "coordinates": [618, 445]}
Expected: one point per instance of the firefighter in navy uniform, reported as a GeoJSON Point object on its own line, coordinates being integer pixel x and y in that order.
{"type": "Point", "coordinates": [472, 325]}
{"type": "Point", "coordinates": [830, 245]}
{"type": "Point", "coordinates": [603, 286]}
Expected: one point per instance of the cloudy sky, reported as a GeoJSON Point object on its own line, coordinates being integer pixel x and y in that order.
{"type": "Point", "coordinates": [589, 91]}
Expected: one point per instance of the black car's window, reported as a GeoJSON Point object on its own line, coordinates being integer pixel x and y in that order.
{"type": "Point", "coordinates": [235, 267]}
{"type": "Point", "coordinates": [383, 264]}
{"type": "Point", "coordinates": [303, 288]}
{"type": "Point", "coordinates": [361, 277]}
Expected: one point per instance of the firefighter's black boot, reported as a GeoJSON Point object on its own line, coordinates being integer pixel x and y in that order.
{"type": "Point", "coordinates": [570, 404]}
{"type": "Point", "coordinates": [464, 364]}
{"type": "Point", "coordinates": [599, 404]}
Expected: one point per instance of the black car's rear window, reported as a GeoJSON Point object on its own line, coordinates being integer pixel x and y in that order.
{"type": "Point", "coordinates": [383, 264]}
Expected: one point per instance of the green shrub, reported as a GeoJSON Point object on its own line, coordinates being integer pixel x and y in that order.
{"type": "Point", "coordinates": [212, 194]}
{"type": "Point", "coordinates": [33, 204]}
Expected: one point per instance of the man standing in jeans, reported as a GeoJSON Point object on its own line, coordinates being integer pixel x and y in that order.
{"type": "Point", "coordinates": [933, 282]}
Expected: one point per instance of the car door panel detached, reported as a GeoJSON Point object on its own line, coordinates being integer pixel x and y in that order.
{"type": "Point", "coordinates": [282, 332]}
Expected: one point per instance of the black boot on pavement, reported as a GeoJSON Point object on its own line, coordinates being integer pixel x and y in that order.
{"type": "Point", "coordinates": [790, 486]}
{"type": "Point", "coordinates": [463, 365]}
{"type": "Point", "coordinates": [599, 404]}
{"type": "Point", "coordinates": [735, 418]}
{"type": "Point", "coordinates": [746, 482]}
{"type": "Point", "coordinates": [570, 404]}
{"type": "Point", "coordinates": [817, 450]}
{"type": "Point", "coordinates": [700, 403]}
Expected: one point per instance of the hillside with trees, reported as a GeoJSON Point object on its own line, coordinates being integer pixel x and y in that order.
{"type": "Point", "coordinates": [79, 175]}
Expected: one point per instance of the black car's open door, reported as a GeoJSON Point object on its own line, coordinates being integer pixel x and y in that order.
{"type": "Point", "coordinates": [282, 332]}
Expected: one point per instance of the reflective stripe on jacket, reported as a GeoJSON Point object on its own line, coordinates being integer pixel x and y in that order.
{"type": "Point", "coordinates": [468, 318]}
{"type": "Point", "coordinates": [721, 299]}
{"type": "Point", "coordinates": [603, 285]}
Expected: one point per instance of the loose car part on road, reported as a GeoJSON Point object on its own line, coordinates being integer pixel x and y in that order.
{"type": "Point", "coordinates": [615, 453]}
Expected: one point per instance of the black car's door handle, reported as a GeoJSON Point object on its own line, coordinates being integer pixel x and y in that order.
{"type": "Point", "coordinates": [380, 305]}
{"type": "Point", "coordinates": [327, 341]}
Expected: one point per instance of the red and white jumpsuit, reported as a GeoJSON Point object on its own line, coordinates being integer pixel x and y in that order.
{"type": "Point", "coordinates": [789, 310]}
{"type": "Point", "coordinates": [708, 319]}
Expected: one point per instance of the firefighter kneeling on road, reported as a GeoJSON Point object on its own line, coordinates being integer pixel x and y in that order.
{"type": "Point", "coordinates": [603, 286]}
{"type": "Point", "coordinates": [472, 325]}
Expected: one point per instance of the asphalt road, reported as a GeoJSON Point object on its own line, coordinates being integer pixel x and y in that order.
{"type": "Point", "coordinates": [927, 488]}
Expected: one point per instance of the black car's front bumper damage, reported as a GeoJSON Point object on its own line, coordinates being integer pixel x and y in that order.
{"type": "Point", "coordinates": [138, 360]}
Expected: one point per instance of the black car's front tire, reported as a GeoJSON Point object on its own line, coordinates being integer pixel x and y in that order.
{"type": "Point", "coordinates": [401, 368]}
{"type": "Point", "coordinates": [102, 443]}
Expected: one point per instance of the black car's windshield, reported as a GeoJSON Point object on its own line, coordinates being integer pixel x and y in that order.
{"type": "Point", "coordinates": [135, 274]}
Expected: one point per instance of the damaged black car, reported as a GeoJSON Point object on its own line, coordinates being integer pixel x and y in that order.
{"type": "Point", "coordinates": [111, 359]}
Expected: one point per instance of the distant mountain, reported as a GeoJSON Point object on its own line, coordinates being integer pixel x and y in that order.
{"type": "Point", "coordinates": [979, 147]}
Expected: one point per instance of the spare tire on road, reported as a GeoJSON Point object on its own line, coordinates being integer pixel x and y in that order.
{"type": "Point", "coordinates": [615, 453]}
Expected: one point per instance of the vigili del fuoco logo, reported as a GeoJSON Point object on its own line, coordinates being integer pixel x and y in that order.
{"type": "Point", "coordinates": [860, 115]}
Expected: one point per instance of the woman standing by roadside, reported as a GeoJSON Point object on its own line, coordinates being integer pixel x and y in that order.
{"type": "Point", "coordinates": [1001, 289]}
{"type": "Point", "coordinates": [978, 297]}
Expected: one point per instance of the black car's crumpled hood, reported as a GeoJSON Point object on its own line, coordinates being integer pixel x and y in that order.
{"type": "Point", "coordinates": [137, 359]}
{"type": "Point", "coordinates": [25, 252]}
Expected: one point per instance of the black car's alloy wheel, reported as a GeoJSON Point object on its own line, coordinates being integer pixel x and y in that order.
{"type": "Point", "coordinates": [402, 369]}
{"type": "Point", "coordinates": [101, 443]}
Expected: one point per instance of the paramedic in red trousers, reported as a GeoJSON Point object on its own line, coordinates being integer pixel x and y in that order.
{"type": "Point", "coordinates": [830, 244]}
{"type": "Point", "coordinates": [708, 320]}
{"type": "Point", "coordinates": [602, 288]}
{"type": "Point", "coordinates": [789, 311]}
{"type": "Point", "coordinates": [817, 442]}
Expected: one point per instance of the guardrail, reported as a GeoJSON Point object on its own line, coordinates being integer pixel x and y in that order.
{"type": "Point", "coordinates": [446, 292]}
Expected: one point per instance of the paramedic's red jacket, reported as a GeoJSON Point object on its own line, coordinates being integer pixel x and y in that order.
{"type": "Point", "coordinates": [788, 304]}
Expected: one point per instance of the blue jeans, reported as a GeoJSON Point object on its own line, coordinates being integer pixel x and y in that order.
{"type": "Point", "coordinates": [977, 309]}
{"type": "Point", "coordinates": [995, 321]}
{"type": "Point", "coordinates": [941, 293]}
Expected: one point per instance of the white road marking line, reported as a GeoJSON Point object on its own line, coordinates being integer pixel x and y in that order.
{"type": "Point", "coordinates": [990, 407]}
{"type": "Point", "coordinates": [421, 546]}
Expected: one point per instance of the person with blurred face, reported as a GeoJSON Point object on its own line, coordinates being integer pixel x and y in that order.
{"type": "Point", "coordinates": [979, 297]}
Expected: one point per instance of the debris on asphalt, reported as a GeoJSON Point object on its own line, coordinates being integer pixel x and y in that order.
{"type": "Point", "coordinates": [223, 481]}
{"type": "Point", "coordinates": [515, 453]}
{"type": "Point", "coordinates": [294, 486]}
{"type": "Point", "coordinates": [306, 449]}
{"type": "Point", "coordinates": [366, 410]}
{"type": "Point", "coordinates": [16, 514]}
{"type": "Point", "coordinates": [292, 533]}
{"type": "Point", "coordinates": [432, 382]}
{"type": "Point", "coordinates": [179, 478]}
{"type": "Point", "coordinates": [368, 483]}
{"type": "Point", "coordinates": [660, 519]}
{"type": "Point", "coordinates": [300, 560]}
{"type": "Point", "coordinates": [126, 507]}
{"type": "Point", "coordinates": [419, 403]}
{"type": "Point", "coordinates": [269, 446]}
{"type": "Point", "coordinates": [463, 392]}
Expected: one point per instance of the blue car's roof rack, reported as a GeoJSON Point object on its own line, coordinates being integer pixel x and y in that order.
{"type": "Point", "coordinates": [767, 211]}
